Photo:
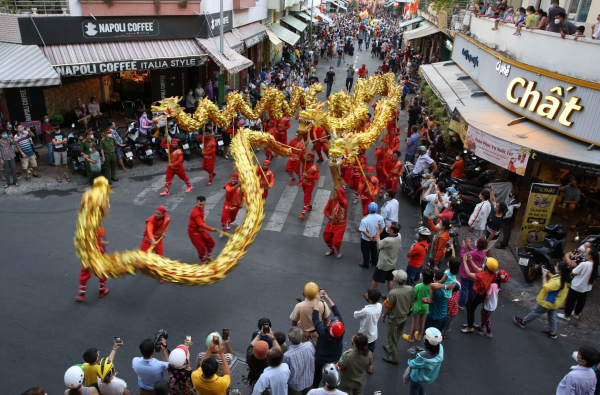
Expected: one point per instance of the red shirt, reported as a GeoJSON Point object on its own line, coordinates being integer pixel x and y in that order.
{"type": "Point", "coordinates": [458, 169]}
{"type": "Point", "coordinates": [298, 152]}
{"type": "Point", "coordinates": [336, 213]}
{"type": "Point", "coordinates": [356, 172]}
{"type": "Point", "coordinates": [210, 147]}
{"type": "Point", "coordinates": [266, 177]}
{"type": "Point", "coordinates": [155, 228]}
{"type": "Point", "coordinates": [176, 154]}
{"type": "Point", "coordinates": [419, 251]}
{"type": "Point", "coordinates": [197, 221]}
{"type": "Point", "coordinates": [312, 174]}
{"type": "Point", "coordinates": [318, 133]}
{"type": "Point", "coordinates": [234, 198]}
{"type": "Point", "coordinates": [363, 72]}
{"type": "Point", "coordinates": [393, 142]}
{"type": "Point", "coordinates": [47, 129]}
{"type": "Point", "coordinates": [370, 191]}
{"type": "Point", "coordinates": [483, 281]}
{"type": "Point", "coordinates": [393, 169]}
{"type": "Point", "coordinates": [283, 124]}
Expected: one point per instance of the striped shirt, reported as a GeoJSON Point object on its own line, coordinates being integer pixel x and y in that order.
{"type": "Point", "coordinates": [301, 360]}
{"type": "Point", "coordinates": [24, 143]}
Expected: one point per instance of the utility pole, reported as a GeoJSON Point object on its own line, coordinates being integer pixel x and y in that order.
{"type": "Point", "coordinates": [221, 93]}
{"type": "Point", "coordinates": [311, 24]}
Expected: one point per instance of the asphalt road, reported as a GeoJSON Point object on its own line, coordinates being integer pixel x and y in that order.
{"type": "Point", "coordinates": [45, 331]}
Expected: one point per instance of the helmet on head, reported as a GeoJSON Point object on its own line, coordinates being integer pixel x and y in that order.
{"type": "Point", "coordinates": [311, 290]}
{"type": "Point", "coordinates": [423, 231]}
{"type": "Point", "coordinates": [422, 149]}
{"type": "Point", "coordinates": [104, 367]}
{"type": "Point", "coordinates": [74, 376]}
{"type": "Point", "coordinates": [433, 336]}
{"type": "Point", "coordinates": [209, 338]}
{"type": "Point", "coordinates": [336, 328]}
{"type": "Point", "coordinates": [372, 207]}
{"type": "Point", "coordinates": [503, 276]}
{"type": "Point", "coordinates": [491, 263]}
{"type": "Point", "coordinates": [179, 357]}
{"type": "Point", "coordinates": [331, 375]}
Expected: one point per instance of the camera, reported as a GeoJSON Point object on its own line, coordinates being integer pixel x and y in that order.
{"type": "Point", "coordinates": [161, 334]}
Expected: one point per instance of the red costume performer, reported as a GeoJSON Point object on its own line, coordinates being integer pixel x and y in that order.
{"type": "Point", "coordinates": [357, 173]}
{"type": "Point", "coordinates": [293, 163]}
{"type": "Point", "coordinates": [368, 189]}
{"type": "Point", "coordinates": [345, 173]}
{"type": "Point", "coordinates": [156, 229]}
{"type": "Point", "coordinates": [266, 177]}
{"type": "Point", "coordinates": [234, 200]}
{"type": "Point", "coordinates": [393, 171]}
{"type": "Point", "coordinates": [382, 154]}
{"type": "Point", "coordinates": [272, 130]}
{"type": "Point", "coordinates": [319, 136]}
{"type": "Point", "coordinates": [208, 156]}
{"type": "Point", "coordinates": [363, 72]}
{"type": "Point", "coordinates": [336, 210]}
{"type": "Point", "coordinates": [392, 139]}
{"type": "Point", "coordinates": [85, 275]}
{"type": "Point", "coordinates": [175, 167]}
{"type": "Point", "coordinates": [197, 230]}
{"type": "Point", "coordinates": [311, 175]}
{"type": "Point", "coordinates": [282, 126]}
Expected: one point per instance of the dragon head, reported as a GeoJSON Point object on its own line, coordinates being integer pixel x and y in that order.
{"type": "Point", "coordinates": [168, 106]}
{"type": "Point", "coordinates": [314, 116]}
{"type": "Point", "coordinates": [341, 148]}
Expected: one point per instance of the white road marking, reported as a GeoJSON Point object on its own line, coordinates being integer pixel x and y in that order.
{"type": "Point", "coordinates": [213, 199]}
{"type": "Point", "coordinates": [352, 235]}
{"type": "Point", "coordinates": [315, 217]}
{"type": "Point", "coordinates": [174, 201]}
{"type": "Point", "coordinates": [241, 216]}
{"type": "Point", "coordinates": [282, 209]}
{"type": "Point", "coordinates": [321, 182]}
{"type": "Point", "coordinates": [152, 189]}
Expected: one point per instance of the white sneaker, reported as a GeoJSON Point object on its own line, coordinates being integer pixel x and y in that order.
{"type": "Point", "coordinates": [564, 317]}
{"type": "Point", "coordinates": [575, 316]}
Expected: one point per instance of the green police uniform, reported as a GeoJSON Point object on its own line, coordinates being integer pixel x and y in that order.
{"type": "Point", "coordinates": [108, 146]}
{"type": "Point", "coordinates": [84, 146]}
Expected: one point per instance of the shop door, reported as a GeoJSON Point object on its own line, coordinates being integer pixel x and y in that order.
{"type": "Point", "coordinates": [169, 83]}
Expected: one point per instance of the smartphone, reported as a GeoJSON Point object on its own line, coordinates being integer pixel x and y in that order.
{"type": "Point", "coordinates": [235, 391]}
{"type": "Point", "coordinates": [216, 340]}
{"type": "Point", "coordinates": [265, 328]}
{"type": "Point", "coordinates": [321, 291]}
{"type": "Point", "coordinates": [225, 334]}
{"type": "Point", "coordinates": [119, 341]}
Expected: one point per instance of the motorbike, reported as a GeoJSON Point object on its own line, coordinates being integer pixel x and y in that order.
{"type": "Point", "coordinates": [139, 144]}
{"type": "Point", "coordinates": [407, 168]}
{"type": "Point", "coordinates": [74, 154]}
{"type": "Point", "coordinates": [537, 255]}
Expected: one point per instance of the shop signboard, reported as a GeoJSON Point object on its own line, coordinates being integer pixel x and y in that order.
{"type": "Point", "coordinates": [538, 212]}
{"type": "Point", "coordinates": [558, 102]}
{"type": "Point", "coordinates": [75, 30]}
{"type": "Point", "coordinates": [582, 168]}
{"type": "Point", "coordinates": [129, 65]}
{"type": "Point", "coordinates": [502, 153]}
{"type": "Point", "coordinates": [169, 83]}
{"type": "Point", "coordinates": [25, 104]}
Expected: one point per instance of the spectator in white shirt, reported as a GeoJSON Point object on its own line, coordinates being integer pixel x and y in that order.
{"type": "Point", "coordinates": [369, 316]}
{"type": "Point", "coordinates": [389, 210]}
{"type": "Point", "coordinates": [582, 378]}
{"type": "Point", "coordinates": [275, 377]}
{"type": "Point", "coordinates": [300, 359]}
{"type": "Point", "coordinates": [479, 216]}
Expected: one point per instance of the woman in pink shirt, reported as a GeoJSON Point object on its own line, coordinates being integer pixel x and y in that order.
{"type": "Point", "coordinates": [478, 256]}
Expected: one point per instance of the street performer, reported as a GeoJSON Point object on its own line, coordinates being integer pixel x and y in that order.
{"type": "Point", "coordinates": [368, 189]}
{"type": "Point", "coordinates": [282, 126]}
{"type": "Point", "coordinates": [234, 200]}
{"type": "Point", "coordinates": [208, 155]}
{"type": "Point", "coordinates": [393, 170]}
{"type": "Point", "coordinates": [310, 177]}
{"type": "Point", "coordinates": [175, 166]}
{"type": "Point", "coordinates": [85, 275]}
{"type": "Point", "coordinates": [336, 211]}
{"type": "Point", "coordinates": [272, 130]}
{"type": "Point", "coordinates": [297, 155]}
{"type": "Point", "coordinates": [382, 154]}
{"type": "Point", "coordinates": [197, 230]}
{"type": "Point", "coordinates": [392, 139]}
{"type": "Point", "coordinates": [319, 137]}
{"type": "Point", "coordinates": [266, 177]}
{"type": "Point", "coordinates": [156, 230]}
{"type": "Point", "coordinates": [356, 175]}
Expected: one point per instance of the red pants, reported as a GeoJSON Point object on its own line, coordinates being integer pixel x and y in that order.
{"type": "Point", "coordinates": [354, 182]}
{"type": "Point", "coordinates": [180, 171]}
{"type": "Point", "coordinates": [380, 173]}
{"type": "Point", "coordinates": [265, 193]}
{"type": "Point", "coordinates": [203, 242]}
{"type": "Point", "coordinates": [84, 276]}
{"type": "Point", "coordinates": [268, 153]}
{"type": "Point", "coordinates": [333, 235]}
{"type": "Point", "coordinates": [228, 216]}
{"type": "Point", "coordinates": [158, 248]}
{"type": "Point", "coordinates": [282, 137]}
{"type": "Point", "coordinates": [308, 190]}
{"type": "Point", "coordinates": [392, 183]}
{"type": "Point", "coordinates": [293, 167]}
{"type": "Point", "coordinates": [320, 145]}
{"type": "Point", "coordinates": [208, 165]}
{"type": "Point", "coordinates": [365, 205]}
{"type": "Point", "coordinates": [345, 174]}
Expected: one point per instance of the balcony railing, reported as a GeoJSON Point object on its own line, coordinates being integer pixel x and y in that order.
{"type": "Point", "coordinates": [34, 7]}
{"type": "Point", "coordinates": [450, 18]}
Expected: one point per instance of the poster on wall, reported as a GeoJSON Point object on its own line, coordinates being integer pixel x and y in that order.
{"type": "Point", "coordinates": [538, 212]}
{"type": "Point", "coordinates": [25, 104]}
{"type": "Point", "coordinates": [507, 155]}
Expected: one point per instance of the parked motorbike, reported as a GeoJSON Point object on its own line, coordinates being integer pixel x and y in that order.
{"type": "Point", "coordinates": [139, 144]}
{"type": "Point", "coordinates": [537, 255]}
{"type": "Point", "coordinates": [407, 168]}
{"type": "Point", "coordinates": [74, 154]}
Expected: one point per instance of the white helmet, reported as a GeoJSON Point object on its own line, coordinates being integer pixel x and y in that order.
{"type": "Point", "coordinates": [179, 357]}
{"type": "Point", "coordinates": [433, 336]}
{"type": "Point", "coordinates": [332, 375]}
{"type": "Point", "coordinates": [74, 376]}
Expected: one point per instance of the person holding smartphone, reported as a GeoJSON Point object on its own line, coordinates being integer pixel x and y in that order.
{"type": "Point", "coordinates": [205, 378]}
{"type": "Point", "coordinates": [228, 352]}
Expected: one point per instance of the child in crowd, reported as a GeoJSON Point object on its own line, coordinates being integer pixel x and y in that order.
{"type": "Point", "coordinates": [419, 309]}
{"type": "Point", "coordinates": [490, 304]}
{"type": "Point", "coordinates": [449, 276]}
{"type": "Point", "coordinates": [369, 317]}
{"type": "Point", "coordinates": [95, 163]}
{"type": "Point", "coordinates": [452, 308]}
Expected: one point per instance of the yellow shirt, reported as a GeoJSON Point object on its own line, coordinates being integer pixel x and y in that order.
{"type": "Point", "coordinates": [552, 296]}
{"type": "Point", "coordinates": [217, 385]}
{"type": "Point", "coordinates": [90, 374]}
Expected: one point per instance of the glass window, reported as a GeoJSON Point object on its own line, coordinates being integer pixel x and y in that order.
{"type": "Point", "coordinates": [579, 10]}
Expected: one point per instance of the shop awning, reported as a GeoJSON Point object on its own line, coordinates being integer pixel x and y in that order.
{"type": "Point", "coordinates": [411, 22]}
{"type": "Point", "coordinates": [234, 42]}
{"type": "Point", "coordinates": [229, 59]}
{"type": "Point", "coordinates": [325, 17]}
{"type": "Point", "coordinates": [295, 23]}
{"type": "Point", "coordinates": [251, 34]}
{"type": "Point", "coordinates": [482, 112]}
{"type": "Point", "coordinates": [284, 34]}
{"type": "Point", "coordinates": [277, 43]}
{"type": "Point", "coordinates": [427, 29]}
{"type": "Point", "coordinates": [307, 17]}
{"type": "Point", "coordinates": [24, 66]}
{"type": "Point", "coordinates": [338, 4]}
{"type": "Point", "coordinates": [110, 57]}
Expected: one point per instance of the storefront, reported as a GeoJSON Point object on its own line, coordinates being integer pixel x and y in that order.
{"type": "Point", "coordinates": [532, 122]}
{"type": "Point", "coordinates": [426, 40]}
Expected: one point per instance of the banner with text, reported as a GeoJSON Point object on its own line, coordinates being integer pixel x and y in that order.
{"type": "Point", "coordinates": [502, 153]}
{"type": "Point", "coordinates": [538, 212]}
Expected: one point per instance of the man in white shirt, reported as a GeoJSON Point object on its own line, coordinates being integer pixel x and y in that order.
{"type": "Point", "coordinates": [479, 217]}
{"type": "Point", "coordinates": [369, 316]}
{"type": "Point", "coordinates": [422, 163]}
{"type": "Point", "coordinates": [440, 195]}
{"type": "Point", "coordinates": [275, 377]}
{"type": "Point", "coordinates": [389, 210]}
{"type": "Point", "coordinates": [581, 379]}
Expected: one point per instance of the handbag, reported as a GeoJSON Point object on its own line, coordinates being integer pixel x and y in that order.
{"type": "Point", "coordinates": [406, 375]}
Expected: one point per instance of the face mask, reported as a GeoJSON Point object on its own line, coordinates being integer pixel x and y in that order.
{"type": "Point", "coordinates": [557, 21]}
{"type": "Point", "coordinates": [21, 130]}
{"type": "Point", "coordinates": [144, 116]}
{"type": "Point", "coordinates": [94, 102]}
{"type": "Point", "coordinates": [537, 17]}
{"type": "Point", "coordinates": [575, 356]}
{"type": "Point", "coordinates": [581, 248]}
{"type": "Point", "coordinates": [90, 150]}
{"type": "Point", "coordinates": [10, 126]}
{"type": "Point", "coordinates": [46, 120]}
{"type": "Point", "coordinates": [458, 158]}
{"type": "Point", "coordinates": [5, 136]}
{"type": "Point", "coordinates": [551, 6]}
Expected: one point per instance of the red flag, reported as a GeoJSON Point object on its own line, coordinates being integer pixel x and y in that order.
{"type": "Point", "coordinates": [413, 8]}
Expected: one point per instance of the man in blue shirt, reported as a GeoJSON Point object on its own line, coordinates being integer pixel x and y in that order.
{"type": "Point", "coordinates": [412, 145]}
{"type": "Point", "coordinates": [370, 227]}
{"type": "Point", "coordinates": [148, 369]}
{"type": "Point", "coordinates": [569, 196]}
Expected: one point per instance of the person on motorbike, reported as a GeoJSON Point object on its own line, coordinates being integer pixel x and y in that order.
{"type": "Point", "coordinates": [422, 163]}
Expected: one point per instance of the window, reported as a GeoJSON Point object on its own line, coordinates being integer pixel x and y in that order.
{"type": "Point", "coordinates": [579, 10]}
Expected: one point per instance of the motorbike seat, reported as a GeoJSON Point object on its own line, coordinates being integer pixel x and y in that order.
{"type": "Point", "coordinates": [179, 136]}
{"type": "Point", "coordinates": [472, 188]}
{"type": "Point", "coordinates": [141, 140]}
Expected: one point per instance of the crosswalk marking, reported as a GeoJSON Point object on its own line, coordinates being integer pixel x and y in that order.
{"type": "Point", "coordinates": [352, 235]}
{"type": "Point", "coordinates": [213, 199]}
{"type": "Point", "coordinates": [174, 201]}
{"type": "Point", "coordinates": [282, 209]}
{"type": "Point", "coordinates": [321, 182]}
{"type": "Point", "coordinates": [151, 190]}
{"type": "Point", "coordinates": [315, 218]}
{"type": "Point", "coordinates": [241, 216]}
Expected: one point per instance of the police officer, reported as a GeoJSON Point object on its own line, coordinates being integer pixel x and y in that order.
{"type": "Point", "coordinates": [84, 147]}
{"type": "Point", "coordinates": [109, 158]}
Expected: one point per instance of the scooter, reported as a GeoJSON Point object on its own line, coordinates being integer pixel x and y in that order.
{"type": "Point", "coordinates": [74, 154]}
{"type": "Point", "coordinates": [408, 168]}
{"type": "Point", "coordinates": [537, 255]}
{"type": "Point", "coordinates": [140, 145]}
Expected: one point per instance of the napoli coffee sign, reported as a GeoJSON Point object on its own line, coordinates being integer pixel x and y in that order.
{"type": "Point", "coordinates": [108, 29]}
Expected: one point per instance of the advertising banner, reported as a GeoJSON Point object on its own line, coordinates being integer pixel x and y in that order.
{"type": "Point", "coordinates": [538, 212]}
{"type": "Point", "coordinates": [499, 152]}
